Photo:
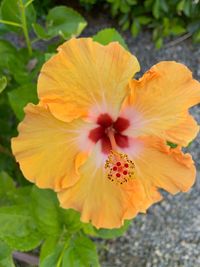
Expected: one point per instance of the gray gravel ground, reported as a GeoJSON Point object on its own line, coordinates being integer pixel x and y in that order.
{"type": "Point", "coordinates": [169, 235]}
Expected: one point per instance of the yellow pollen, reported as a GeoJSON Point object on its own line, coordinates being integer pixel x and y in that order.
{"type": "Point", "coordinates": [119, 167]}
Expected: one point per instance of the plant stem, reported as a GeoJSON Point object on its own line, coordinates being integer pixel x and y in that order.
{"type": "Point", "coordinates": [35, 40]}
{"type": "Point", "coordinates": [179, 40]}
{"type": "Point", "coordinates": [10, 23]}
{"type": "Point", "coordinates": [61, 255]}
{"type": "Point", "coordinates": [28, 3]}
{"type": "Point", "coordinates": [24, 27]}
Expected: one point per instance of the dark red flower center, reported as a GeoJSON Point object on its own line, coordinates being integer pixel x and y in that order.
{"type": "Point", "coordinates": [105, 124]}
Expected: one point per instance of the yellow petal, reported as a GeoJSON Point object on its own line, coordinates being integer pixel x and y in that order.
{"type": "Point", "coordinates": [86, 75]}
{"type": "Point", "coordinates": [48, 150]}
{"type": "Point", "coordinates": [161, 98]}
{"type": "Point", "coordinates": [104, 203]}
{"type": "Point", "coordinates": [107, 204]}
{"type": "Point", "coordinates": [164, 167]}
{"type": "Point", "coordinates": [184, 132]}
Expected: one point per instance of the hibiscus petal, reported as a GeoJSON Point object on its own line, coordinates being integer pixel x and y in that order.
{"type": "Point", "coordinates": [104, 203]}
{"type": "Point", "coordinates": [164, 167]}
{"type": "Point", "coordinates": [85, 75]}
{"type": "Point", "coordinates": [184, 132]}
{"type": "Point", "coordinates": [160, 101]}
{"type": "Point", "coordinates": [48, 150]}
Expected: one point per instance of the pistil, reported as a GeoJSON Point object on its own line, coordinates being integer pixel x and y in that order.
{"type": "Point", "coordinates": [118, 166]}
{"type": "Point", "coordinates": [110, 134]}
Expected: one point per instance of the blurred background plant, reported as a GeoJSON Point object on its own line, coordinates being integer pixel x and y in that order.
{"type": "Point", "coordinates": [165, 18]}
{"type": "Point", "coordinates": [30, 31]}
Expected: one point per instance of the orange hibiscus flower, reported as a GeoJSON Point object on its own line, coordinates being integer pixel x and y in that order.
{"type": "Point", "coordinates": [99, 138]}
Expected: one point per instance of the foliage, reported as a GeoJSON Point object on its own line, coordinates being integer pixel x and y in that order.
{"type": "Point", "coordinates": [5, 255]}
{"type": "Point", "coordinates": [109, 35]}
{"type": "Point", "coordinates": [43, 6]}
{"type": "Point", "coordinates": [165, 18]}
{"type": "Point", "coordinates": [3, 83]}
{"type": "Point", "coordinates": [62, 21]}
{"type": "Point", "coordinates": [31, 218]}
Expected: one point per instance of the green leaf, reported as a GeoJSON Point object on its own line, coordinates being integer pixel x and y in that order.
{"type": "Point", "coordinates": [135, 28]}
{"type": "Point", "coordinates": [148, 4]}
{"type": "Point", "coordinates": [18, 229]}
{"type": "Point", "coordinates": [106, 233]}
{"type": "Point", "coordinates": [18, 71]}
{"type": "Point", "coordinates": [186, 8]}
{"type": "Point", "coordinates": [19, 97]}
{"type": "Point", "coordinates": [81, 252]}
{"type": "Point", "coordinates": [5, 255]}
{"type": "Point", "coordinates": [7, 262]}
{"type": "Point", "coordinates": [132, 2]}
{"type": "Point", "coordinates": [108, 35]}
{"type": "Point", "coordinates": [4, 250]}
{"type": "Point", "coordinates": [189, 144]}
{"type": "Point", "coordinates": [7, 189]}
{"type": "Point", "coordinates": [7, 53]}
{"type": "Point", "coordinates": [177, 30]}
{"type": "Point", "coordinates": [3, 83]}
{"type": "Point", "coordinates": [71, 219]}
{"type": "Point", "coordinates": [123, 19]}
{"type": "Point", "coordinates": [193, 26]}
{"type": "Point", "coordinates": [144, 20]}
{"type": "Point", "coordinates": [49, 55]}
{"type": "Point", "coordinates": [45, 209]}
{"type": "Point", "coordinates": [166, 27]}
{"type": "Point", "coordinates": [172, 145]}
{"type": "Point", "coordinates": [6, 47]}
{"type": "Point", "coordinates": [40, 31]}
{"type": "Point", "coordinates": [196, 37]}
{"type": "Point", "coordinates": [13, 62]}
{"type": "Point", "coordinates": [125, 25]}
{"type": "Point", "coordinates": [114, 7]}
{"type": "Point", "coordinates": [155, 34]}
{"type": "Point", "coordinates": [48, 247]}
{"type": "Point", "coordinates": [54, 258]}
{"type": "Point", "coordinates": [3, 28]}
{"type": "Point", "coordinates": [164, 5]}
{"type": "Point", "coordinates": [11, 195]}
{"type": "Point", "coordinates": [156, 9]}
{"type": "Point", "coordinates": [124, 7]}
{"type": "Point", "coordinates": [63, 21]}
{"type": "Point", "coordinates": [78, 251]}
{"type": "Point", "coordinates": [159, 43]}
{"type": "Point", "coordinates": [6, 183]}
{"type": "Point", "coordinates": [89, 229]}
{"type": "Point", "coordinates": [113, 233]}
{"type": "Point", "coordinates": [11, 11]}
{"type": "Point", "coordinates": [21, 195]}
{"type": "Point", "coordinates": [180, 5]}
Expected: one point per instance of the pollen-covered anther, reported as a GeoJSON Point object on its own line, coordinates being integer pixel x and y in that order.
{"type": "Point", "coordinates": [119, 167]}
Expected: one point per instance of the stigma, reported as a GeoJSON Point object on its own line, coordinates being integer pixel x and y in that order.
{"type": "Point", "coordinates": [119, 168]}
